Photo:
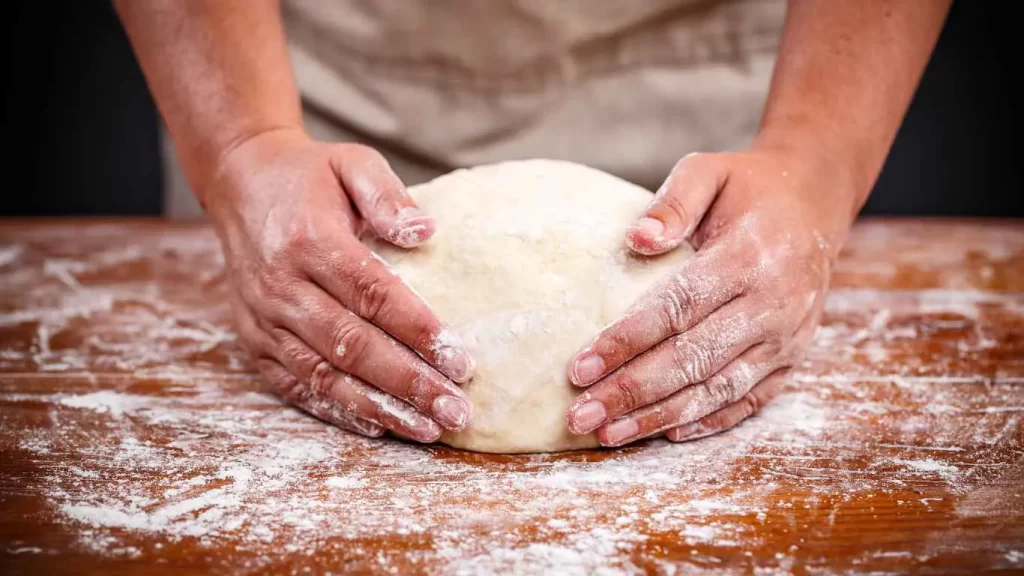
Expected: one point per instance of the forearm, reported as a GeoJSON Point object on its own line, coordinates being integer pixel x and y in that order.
{"type": "Point", "coordinates": [844, 77]}
{"type": "Point", "coordinates": [218, 70]}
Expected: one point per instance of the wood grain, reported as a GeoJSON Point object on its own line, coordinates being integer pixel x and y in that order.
{"type": "Point", "coordinates": [135, 437]}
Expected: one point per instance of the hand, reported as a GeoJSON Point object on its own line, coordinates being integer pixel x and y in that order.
{"type": "Point", "coordinates": [332, 329]}
{"type": "Point", "coordinates": [711, 343]}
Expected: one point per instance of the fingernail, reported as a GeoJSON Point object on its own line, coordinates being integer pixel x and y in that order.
{"type": "Point", "coordinates": [411, 228]}
{"type": "Point", "coordinates": [621, 431]}
{"type": "Point", "coordinates": [410, 234]}
{"type": "Point", "coordinates": [427, 431]}
{"type": "Point", "coordinates": [651, 227]}
{"type": "Point", "coordinates": [693, 430]}
{"type": "Point", "coordinates": [588, 369]}
{"type": "Point", "coordinates": [588, 417]}
{"type": "Point", "coordinates": [684, 432]}
{"type": "Point", "coordinates": [457, 364]}
{"type": "Point", "coordinates": [451, 412]}
{"type": "Point", "coordinates": [452, 358]}
{"type": "Point", "coordinates": [407, 213]}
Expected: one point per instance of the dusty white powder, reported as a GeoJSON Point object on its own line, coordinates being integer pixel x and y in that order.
{"type": "Point", "coordinates": [107, 402]}
{"type": "Point", "coordinates": [928, 465]}
{"type": "Point", "coordinates": [10, 254]}
{"type": "Point", "coordinates": [177, 314]}
{"type": "Point", "coordinates": [217, 463]}
{"type": "Point", "coordinates": [343, 483]}
{"type": "Point", "coordinates": [153, 452]}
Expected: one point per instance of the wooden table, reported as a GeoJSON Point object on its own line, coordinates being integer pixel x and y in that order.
{"type": "Point", "coordinates": [134, 436]}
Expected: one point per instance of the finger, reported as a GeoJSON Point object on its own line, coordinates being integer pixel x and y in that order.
{"type": "Point", "coordinates": [357, 347]}
{"type": "Point", "coordinates": [762, 391]}
{"type": "Point", "coordinates": [678, 206]}
{"type": "Point", "coordinates": [364, 284]}
{"type": "Point", "coordinates": [675, 304]}
{"type": "Point", "coordinates": [319, 385]}
{"type": "Point", "coordinates": [725, 418]}
{"type": "Point", "coordinates": [380, 196]}
{"type": "Point", "coordinates": [693, 402]}
{"type": "Point", "coordinates": [689, 358]}
{"type": "Point", "coordinates": [295, 372]}
{"type": "Point", "coordinates": [284, 383]}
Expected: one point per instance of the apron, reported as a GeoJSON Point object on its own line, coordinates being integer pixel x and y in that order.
{"type": "Point", "coordinates": [626, 86]}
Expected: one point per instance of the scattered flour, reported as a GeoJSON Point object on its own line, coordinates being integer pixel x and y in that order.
{"type": "Point", "coordinates": [161, 436]}
{"type": "Point", "coordinates": [344, 483]}
{"type": "Point", "coordinates": [216, 463]}
{"type": "Point", "coordinates": [929, 465]}
{"type": "Point", "coordinates": [107, 402]}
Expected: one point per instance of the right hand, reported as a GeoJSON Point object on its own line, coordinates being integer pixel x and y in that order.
{"type": "Point", "coordinates": [332, 329]}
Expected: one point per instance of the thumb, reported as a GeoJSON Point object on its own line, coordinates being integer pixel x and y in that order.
{"type": "Point", "coordinates": [380, 196]}
{"type": "Point", "coordinates": [678, 206]}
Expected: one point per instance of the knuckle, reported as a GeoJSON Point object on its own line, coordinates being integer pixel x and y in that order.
{"type": "Point", "coordinates": [375, 294]}
{"type": "Point", "coordinates": [750, 404]}
{"type": "Point", "coordinates": [351, 339]}
{"type": "Point", "coordinates": [713, 421]}
{"type": "Point", "coordinates": [321, 379]}
{"type": "Point", "coordinates": [676, 306]}
{"type": "Point", "coordinates": [379, 202]}
{"type": "Point", "coordinates": [295, 354]}
{"type": "Point", "coordinates": [674, 203]}
{"type": "Point", "coordinates": [625, 390]}
{"type": "Point", "coordinates": [693, 360]}
{"type": "Point", "coordinates": [293, 391]}
{"type": "Point", "coordinates": [723, 390]}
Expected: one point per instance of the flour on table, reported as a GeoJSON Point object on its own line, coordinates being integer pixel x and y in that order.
{"type": "Point", "coordinates": [214, 464]}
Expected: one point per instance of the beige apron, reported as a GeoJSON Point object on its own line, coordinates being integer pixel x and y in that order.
{"type": "Point", "coordinates": [627, 86]}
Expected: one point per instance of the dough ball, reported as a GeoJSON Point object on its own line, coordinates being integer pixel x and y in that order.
{"type": "Point", "coordinates": [528, 263]}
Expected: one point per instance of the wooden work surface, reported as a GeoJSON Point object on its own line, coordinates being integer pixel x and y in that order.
{"type": "Point", "coordinates": [134, 436]}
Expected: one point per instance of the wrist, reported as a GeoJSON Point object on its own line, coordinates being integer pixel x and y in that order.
{"type": "Point", "coordinates": [239, 156]}
{"type": "Point", "coordinates": [822, 152]}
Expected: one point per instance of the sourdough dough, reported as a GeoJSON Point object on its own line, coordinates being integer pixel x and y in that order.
{"type": "Point", "coordinates": [528, 263]}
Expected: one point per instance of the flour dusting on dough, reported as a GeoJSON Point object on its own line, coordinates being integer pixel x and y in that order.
{"type": "Point", "coordinates": [528, 262]}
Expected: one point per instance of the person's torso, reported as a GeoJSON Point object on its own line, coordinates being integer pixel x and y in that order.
{"type": "Point", "coordinates": [627, 87]}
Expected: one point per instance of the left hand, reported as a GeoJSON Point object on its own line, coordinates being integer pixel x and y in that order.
{"type": "Point", "coordinates": [712, 342]}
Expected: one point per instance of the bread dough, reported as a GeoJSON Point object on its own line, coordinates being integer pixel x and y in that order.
{"type": "Point", "coordinates": [528, 263]}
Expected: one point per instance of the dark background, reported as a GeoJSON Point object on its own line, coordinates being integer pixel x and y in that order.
{"type": "Point", "coordinates": [83, 135]}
